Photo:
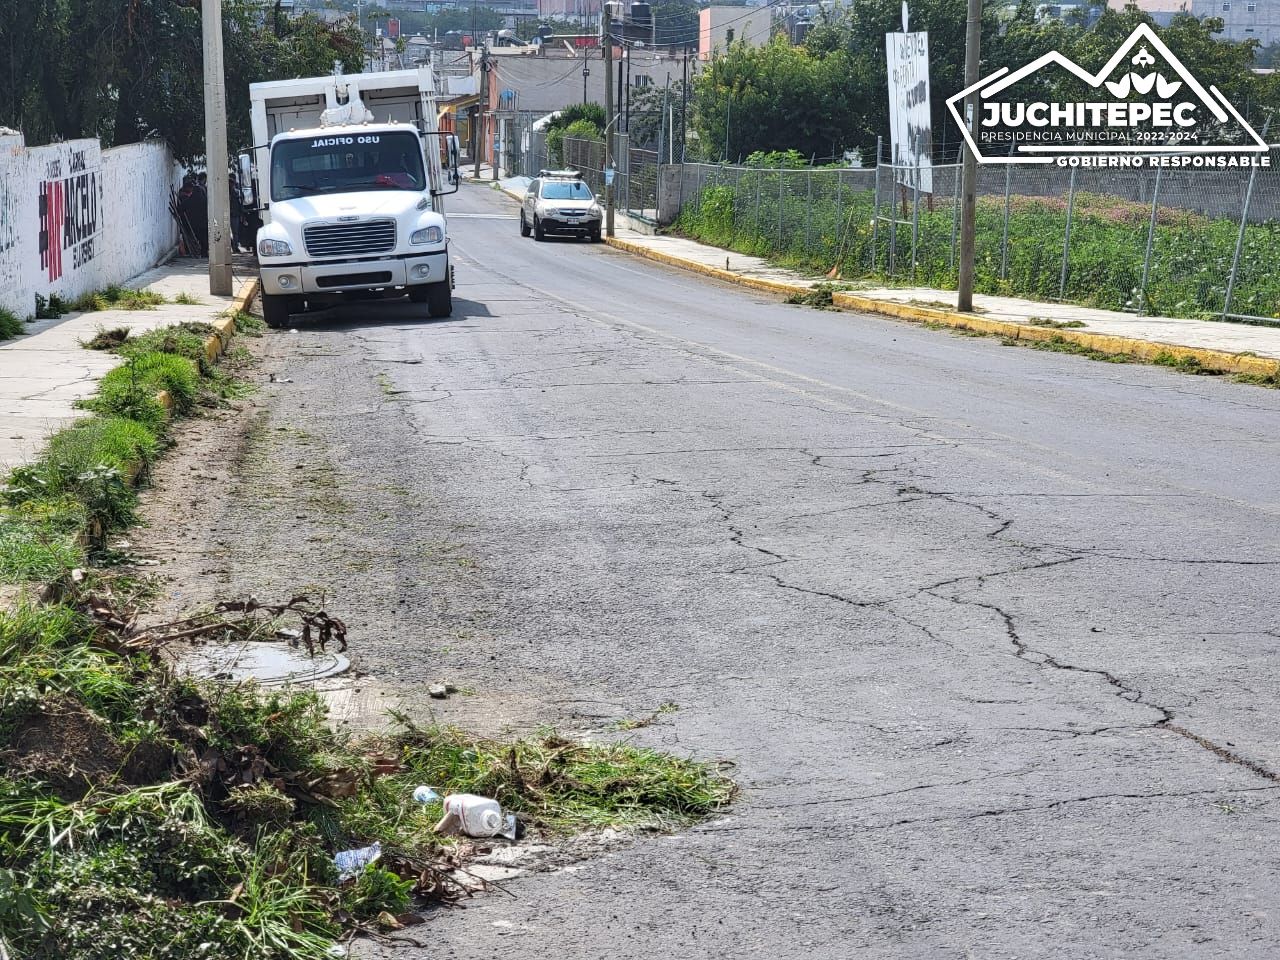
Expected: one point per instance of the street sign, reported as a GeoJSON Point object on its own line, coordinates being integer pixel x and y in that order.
{"type": "Point", "coordinates": [910, 128]}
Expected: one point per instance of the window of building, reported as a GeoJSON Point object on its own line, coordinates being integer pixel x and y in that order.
{"type": "Point", "coordinates": [1248, 29]}
{"type": "Point", "coordinates": [1226, 6]}
{"type": "Point", "coordinates": [1251, 7]}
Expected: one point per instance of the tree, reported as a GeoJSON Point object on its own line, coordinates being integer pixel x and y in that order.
{"type": "Point", "coordinates": [774, 97]}
{"type": "Point", "coordinates": [123, 72]}
{"type": "Point", "coordinates": [586, 120]}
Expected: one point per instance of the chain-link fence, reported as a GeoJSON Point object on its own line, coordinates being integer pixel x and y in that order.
{"type": "Point", "coordinates": [1165, 241]}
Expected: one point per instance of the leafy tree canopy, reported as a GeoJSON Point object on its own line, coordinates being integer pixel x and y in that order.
{"type": "Point", "coordinates": [126, 71]}
{"type": "Point", "coordinates": [831, 94]}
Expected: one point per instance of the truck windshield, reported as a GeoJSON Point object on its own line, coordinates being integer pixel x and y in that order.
{"type": "Point", "coordinates": [346, 162]}
{"type": "Point", "coordinates": [566, 190]}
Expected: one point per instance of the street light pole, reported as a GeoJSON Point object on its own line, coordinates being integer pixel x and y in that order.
{"type": "Point", "coordinates": [969, 172]}
{"type": "Point", "coordinates": [215, 150]}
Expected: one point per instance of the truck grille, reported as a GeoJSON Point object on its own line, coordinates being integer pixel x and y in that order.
{"type": "Point", "coordinates": [350, 239]}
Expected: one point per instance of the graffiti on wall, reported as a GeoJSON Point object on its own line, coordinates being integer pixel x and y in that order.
{"type": "Point", "coordinates": [70, 213]}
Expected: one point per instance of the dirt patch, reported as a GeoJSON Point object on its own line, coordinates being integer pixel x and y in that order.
{"type": "Point", "coordinates": [73, 751]}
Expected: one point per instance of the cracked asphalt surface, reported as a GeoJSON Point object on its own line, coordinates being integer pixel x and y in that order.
{"type": "Point", "coordinates": [990, 633]}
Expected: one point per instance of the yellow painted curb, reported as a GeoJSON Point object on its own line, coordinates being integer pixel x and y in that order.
{"type": "Point", "coordinates": [1216, 360]}
{"type": "Point", "coordinates": [757, 283]}
{"type": "Point", "coordinates": [224, 327]}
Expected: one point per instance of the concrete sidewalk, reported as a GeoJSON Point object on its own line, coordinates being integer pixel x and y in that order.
{"type": "Point", "coordinates": [1229, 347]}
{"type": "Point", "coordinates": [45, 371]}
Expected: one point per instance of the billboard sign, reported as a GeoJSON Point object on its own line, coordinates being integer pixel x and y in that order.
{"type": "Point", "coordinates": [910, 127]}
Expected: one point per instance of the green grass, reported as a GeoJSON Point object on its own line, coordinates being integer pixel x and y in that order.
{"type": "Point", "coordinates": [10, 324]}
{"type": "Point", "coordinates": [40, 541]}
{"type": "Point", "coordinates": [187, 299]}
{"type": "Point", "coordinates": [86, 465]}
{"type": "Point", "coordinates": [249, 325]}
{"type": "Point", "coordinates": [116, 297]}
{"type": "Point", "coordinates": [1191, 253]}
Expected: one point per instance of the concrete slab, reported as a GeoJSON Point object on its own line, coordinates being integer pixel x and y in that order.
{"type": "Point", "coordinates": [45, 371]}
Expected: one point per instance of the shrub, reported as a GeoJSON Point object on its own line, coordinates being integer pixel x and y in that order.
{"type": "Point", "coordinates": [154, 371]}
{"type": "Point", "coordinates": [10, 324]}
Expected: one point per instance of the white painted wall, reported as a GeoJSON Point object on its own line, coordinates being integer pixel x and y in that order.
{"type": "Point", "coordinates": [75, 218]}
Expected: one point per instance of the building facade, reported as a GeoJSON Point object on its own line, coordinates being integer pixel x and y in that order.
{"type": "Point", "coordinates": [720, 26]}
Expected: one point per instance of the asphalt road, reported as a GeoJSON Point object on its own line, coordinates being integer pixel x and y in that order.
{"type": "Point", "coordinates": [990, 633]}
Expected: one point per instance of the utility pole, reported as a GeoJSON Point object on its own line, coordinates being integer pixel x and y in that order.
{"type": "Point", "coordinates": [606, 38]}
{"type": "Point", "coordinates": [483, 105]}
{"type": "Point", "coordinates": [684, 103]}
{"type": "Point", "coordinates": [215, 150]}
{"type": "Point", "coordinates": [585, 73]}
{"type": "Point", "coordinates": [969, 181]}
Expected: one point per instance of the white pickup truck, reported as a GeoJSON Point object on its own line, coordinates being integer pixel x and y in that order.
{"type": "Point", "coordinates": [350, 181]}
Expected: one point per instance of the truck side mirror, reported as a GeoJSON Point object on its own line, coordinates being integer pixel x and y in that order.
{"type": "Point", "coordinates": [454, 154]}
{"type": "Point", "coordinates": [248, 185]}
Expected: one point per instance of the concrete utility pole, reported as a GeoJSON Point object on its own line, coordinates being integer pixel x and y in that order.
{"type": "Point", "coordinates": [215, 151]}
{"type": "Point", "coordinates": [969, 179]}
{"type": "Point", "coordinates": [483, 105]}
{"type": "Point", "coordinates": [606, 44]}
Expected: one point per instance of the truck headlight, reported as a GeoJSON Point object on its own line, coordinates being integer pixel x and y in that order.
{"type": "Point", "coordinates": [274, 248]}
{"type": "Point", "coordinates": [594, 210]}
{"type": "Point", "coordinates": [427, 235]}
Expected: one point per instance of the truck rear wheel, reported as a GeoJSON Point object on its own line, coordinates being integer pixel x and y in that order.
{"type": "Point", "coordinates": [276, 309]}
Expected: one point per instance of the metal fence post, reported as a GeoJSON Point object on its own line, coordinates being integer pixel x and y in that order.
{"type": "Point", "coordinates": [1151, 235]}
{"type": "Point", "coordinates": [1244, 220]}
{"type": "Point", "coordinates": [1066, 237]}
{"type": "Point", "coordinates": [808, 215]}
{"type": "Point", "coordinates": [1004, 237]}
{"type": "Point", "coordinates": [915, 222]}
{"type": "Point", "coordinates": [875, 211]}
{"type": "Point", "coordinates": [759, 175]}
{"type": "Point", "coordinates": [1235, 258]}
{"type": "Point", "coordinates": [955, 219]}
{"type": "Point", "coordinates": [840, 225]}
{"type": "Point", "coordinates": [782, 181]}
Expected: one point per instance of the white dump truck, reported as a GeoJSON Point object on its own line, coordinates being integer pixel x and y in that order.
{"type": "Point", "coordinates": [350, 172]}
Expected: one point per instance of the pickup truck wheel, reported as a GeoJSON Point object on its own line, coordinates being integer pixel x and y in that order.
{"type": "Point", "coordinates": [538, 232]}
{"type": "Point", "coordinates": [439, 299]}
{"type": "Point", "coordinates": [524, 225]}
{"type": "Point", "coordinates": [276, 309]}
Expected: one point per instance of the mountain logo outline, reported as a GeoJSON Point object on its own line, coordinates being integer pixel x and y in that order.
{"type": "Point", "coordinates": [1218, 105]}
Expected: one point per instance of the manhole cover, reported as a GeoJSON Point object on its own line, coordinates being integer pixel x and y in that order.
{"type": "Point", "coordinates": [270, 664]}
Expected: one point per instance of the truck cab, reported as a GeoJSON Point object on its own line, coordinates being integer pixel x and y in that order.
{"type": "Point", "coordinates": [351, 184]}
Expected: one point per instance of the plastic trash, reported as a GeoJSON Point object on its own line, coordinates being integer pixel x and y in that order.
{"type": "Point", "coordinates": [425, 794]}
{"type": "Point", "coordinates": [476, 817]}
{"type": "Point", "coordinates": [351, 862]}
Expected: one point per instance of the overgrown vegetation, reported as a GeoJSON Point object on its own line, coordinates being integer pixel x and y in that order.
{"type": "Point", "coordinates": [122, 72]}
{"type": "Point", "coordinates": [81, 487]}
{"type": "Point", "coordinates": [10, 324]}
{"type": "Point", "coordinates": [147, 815]}
{"type": "Point", "coordinates": [811, 223]}
{"type": "Point", "coordinates": [827, 95]}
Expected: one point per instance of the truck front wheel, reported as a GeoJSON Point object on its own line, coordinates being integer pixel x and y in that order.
{"type": "Point", "coordinates": [437, 296]}
{"type": "Point", "coordinates": [276, 309]}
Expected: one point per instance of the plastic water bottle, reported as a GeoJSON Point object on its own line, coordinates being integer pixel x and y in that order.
{"type": "Point", "coordinates": [425, 794]}
{"type": "Point", "coordinates": [478, 816]}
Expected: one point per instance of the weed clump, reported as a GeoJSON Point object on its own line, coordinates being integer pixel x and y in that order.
{"type": "Point", "coordinates": [10, 324]}
{"type": "Point", "coordinates": [150, 815]}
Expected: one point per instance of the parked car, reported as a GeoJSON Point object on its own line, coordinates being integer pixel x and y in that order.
{"type": "Point", "coordinates": [559, 202]}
